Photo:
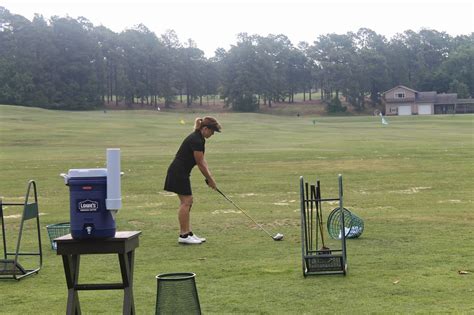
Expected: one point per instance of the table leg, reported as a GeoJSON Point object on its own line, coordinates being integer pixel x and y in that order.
{"type": "Point", "coordinates": [126, 266]}
{"type": "Point", "coordinates": [71, 271]}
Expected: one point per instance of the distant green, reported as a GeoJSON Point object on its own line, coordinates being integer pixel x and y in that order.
{"type": "Point", "coordinates": [410, 181]}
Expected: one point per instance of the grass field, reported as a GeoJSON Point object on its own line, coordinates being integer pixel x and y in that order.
{"type": "Point", "coordinates": [410, 181]}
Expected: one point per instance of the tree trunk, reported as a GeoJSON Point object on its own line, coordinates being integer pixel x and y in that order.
{"type": "Point", "coordinates": [116, 89]}
{"type": "Point", "coordinates": [167, 102]}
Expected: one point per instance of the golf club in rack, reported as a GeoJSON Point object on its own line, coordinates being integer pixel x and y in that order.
{"type": "Point", "coordinates": [276, 237]}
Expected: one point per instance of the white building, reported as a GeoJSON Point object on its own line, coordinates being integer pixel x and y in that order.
{"type": "Point", "coordinates": [402, 100]}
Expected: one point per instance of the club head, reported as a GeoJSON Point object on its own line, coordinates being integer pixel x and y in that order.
{"type": "Point", "coordinates": [278, 237]}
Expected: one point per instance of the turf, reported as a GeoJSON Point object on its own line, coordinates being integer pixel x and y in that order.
{"type": "Point", "coordinates": [410, 181]}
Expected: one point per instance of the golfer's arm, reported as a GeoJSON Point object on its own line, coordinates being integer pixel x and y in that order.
{"type": "Point", "coordinates": [202, 164]}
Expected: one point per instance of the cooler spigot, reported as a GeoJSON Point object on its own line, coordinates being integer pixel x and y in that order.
{"type": "Point", "coordinates": [89, 230]}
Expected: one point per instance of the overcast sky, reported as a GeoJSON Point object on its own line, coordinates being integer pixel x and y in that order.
{"type": "Point", "coordinates": [215, 23]}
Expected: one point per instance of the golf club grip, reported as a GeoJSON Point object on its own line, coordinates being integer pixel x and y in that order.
{"type": "Point", "coordinates": [207, 182]}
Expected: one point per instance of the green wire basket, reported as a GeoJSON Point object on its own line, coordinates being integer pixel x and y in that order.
{"type": "Point", "coordinates": [57, 230]}
{"type": "Point", "coordinates": [353, 225]}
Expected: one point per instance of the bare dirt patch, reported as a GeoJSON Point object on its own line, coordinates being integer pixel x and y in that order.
{"type": "Point", "coordinates": [299, 108]}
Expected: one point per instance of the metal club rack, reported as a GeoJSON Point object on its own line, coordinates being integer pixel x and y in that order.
{"type": "Point", "coordinates": [317, 256]}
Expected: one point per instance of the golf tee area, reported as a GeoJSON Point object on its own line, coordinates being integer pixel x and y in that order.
{"type": "Point", "coordinates": [410, 181]}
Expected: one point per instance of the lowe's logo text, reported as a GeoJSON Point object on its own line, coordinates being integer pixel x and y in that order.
{"type": "Point", "coordinates": [88, 206]}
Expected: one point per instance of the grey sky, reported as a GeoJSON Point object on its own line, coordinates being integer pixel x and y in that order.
{"type": "Point", "coordinates": [215, 23]}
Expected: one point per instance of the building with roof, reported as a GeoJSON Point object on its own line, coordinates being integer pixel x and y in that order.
{"type": "Point", "coordinates": [402, 100]}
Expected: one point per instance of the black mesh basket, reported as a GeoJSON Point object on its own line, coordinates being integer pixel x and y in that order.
{"type": "Point", "coordinates": [324, 263]}
{"type": "Point", "coordinates": [177, 294]}
{"type": "Point", "coordinates": [57, 230]}
{"type": "Point", "coordinates": [353, 225]}
{"type": "Point", "coordinates": [8, 267]}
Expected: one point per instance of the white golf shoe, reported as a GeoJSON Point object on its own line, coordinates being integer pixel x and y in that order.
{"type": "Point", "coordinates": [202, 239]}
{"type": "Point", "coordinates": [190, 239]}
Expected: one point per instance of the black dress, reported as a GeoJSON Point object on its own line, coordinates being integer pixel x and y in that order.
{"type": "Point", "coordinates": [177, 177]}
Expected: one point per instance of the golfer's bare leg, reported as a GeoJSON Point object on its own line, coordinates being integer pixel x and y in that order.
{"type": "Point", "coordinates": [186, 202]}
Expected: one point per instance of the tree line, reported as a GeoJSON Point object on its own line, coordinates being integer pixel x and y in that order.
{"type": "Point", "coordinates": [67, 63]}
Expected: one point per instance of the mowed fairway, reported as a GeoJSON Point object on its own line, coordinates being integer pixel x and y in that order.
{"type": "Point", "coordinates": [411, 182]}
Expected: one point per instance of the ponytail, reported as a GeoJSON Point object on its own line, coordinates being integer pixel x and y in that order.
{"type": "Point", "coordinates": [197, 123]}
{"type": "Point", "coordinates": [207, 121]}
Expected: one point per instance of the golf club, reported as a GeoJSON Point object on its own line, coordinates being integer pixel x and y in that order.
{"type": "Point", "coordinates": [276, 237]}
{"type": "Point", "coordinates": [316, 192]}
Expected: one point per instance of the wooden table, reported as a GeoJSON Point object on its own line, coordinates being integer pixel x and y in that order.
{"type": "Point", "coordinates": [123, 244]}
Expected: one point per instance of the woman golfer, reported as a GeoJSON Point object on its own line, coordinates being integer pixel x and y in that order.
{"type": "Point", "coordinates": [190, 153]}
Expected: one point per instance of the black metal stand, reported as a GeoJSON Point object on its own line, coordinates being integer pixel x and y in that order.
{"type": "Point", "coordinates": [318, 259]}
{"type": "Point", "coordinates": [123, 244]}
{"type": "Point", "coordinates": [11, 268]}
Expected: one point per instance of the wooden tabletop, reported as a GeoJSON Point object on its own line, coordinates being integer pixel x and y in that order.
{"type": "Point", "coordinates": [119, 235]}
{"type": "Point", "coordinates": [122, 242]}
